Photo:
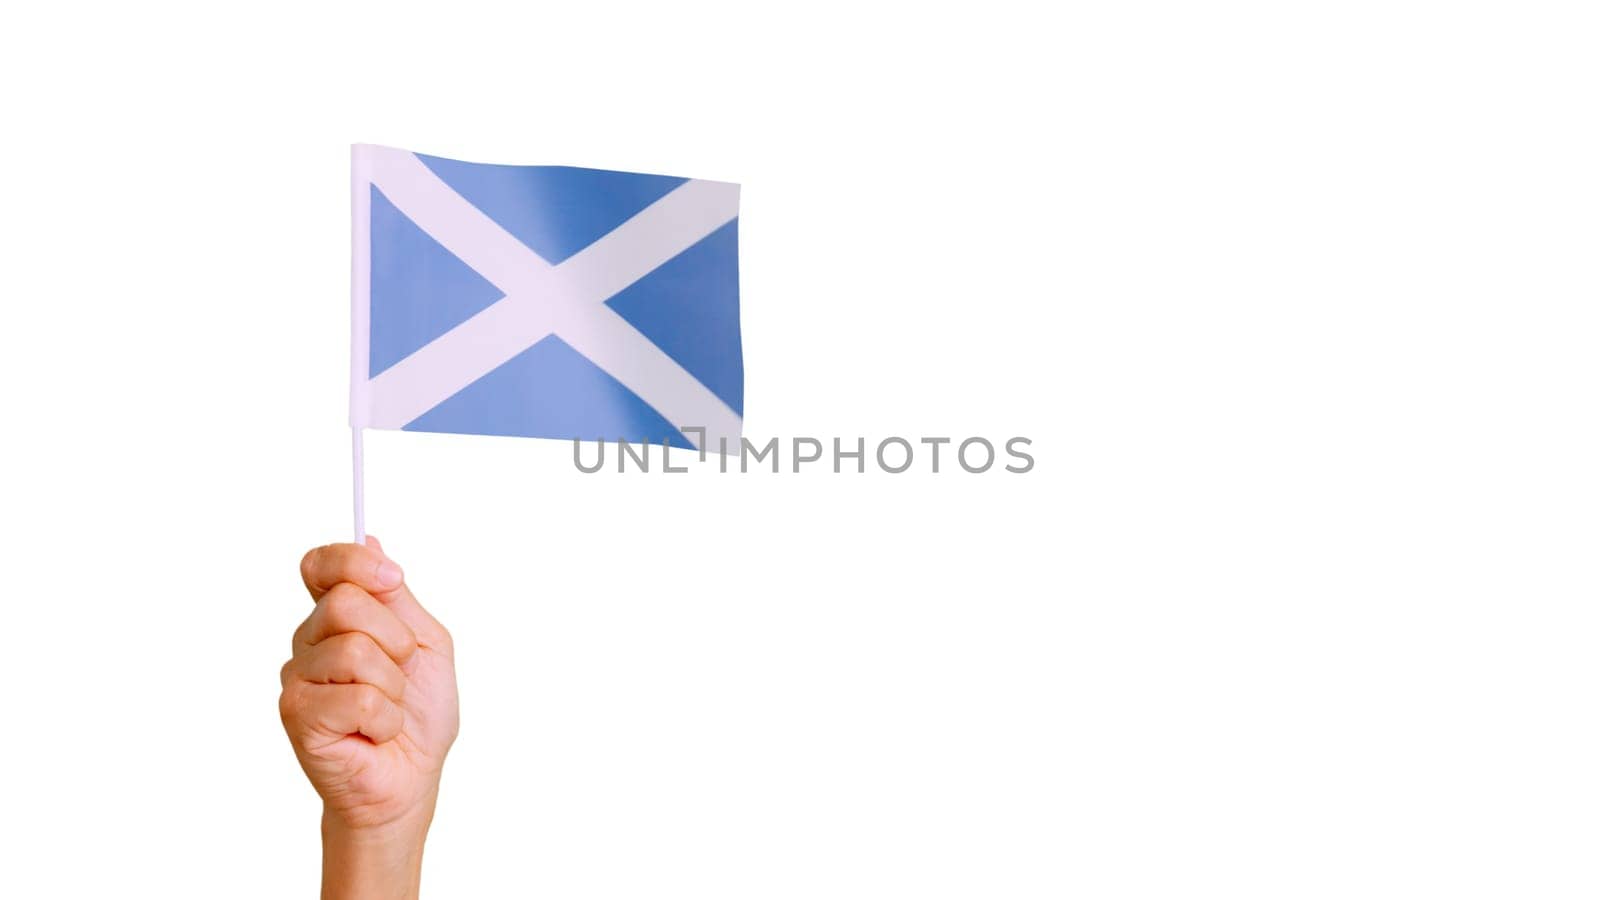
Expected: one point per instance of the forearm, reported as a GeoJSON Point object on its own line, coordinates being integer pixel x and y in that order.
{"type": "Point", "coordinates": [382, 863]}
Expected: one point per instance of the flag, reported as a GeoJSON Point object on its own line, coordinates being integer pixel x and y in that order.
{"type": "Point", "coordinates": [543, 301]}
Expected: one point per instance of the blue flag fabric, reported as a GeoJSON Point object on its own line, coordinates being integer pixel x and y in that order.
{"type": "Point", "coordinates": [544, 301]}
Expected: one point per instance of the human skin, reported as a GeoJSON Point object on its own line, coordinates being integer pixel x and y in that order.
{"type": "Point", "coordinates": [369, 703]}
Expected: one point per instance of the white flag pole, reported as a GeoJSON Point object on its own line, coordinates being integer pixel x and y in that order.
{"type": "Point", "coordinates": [359, 481]}
{"type": "Point", "coordinates": [360, 290]}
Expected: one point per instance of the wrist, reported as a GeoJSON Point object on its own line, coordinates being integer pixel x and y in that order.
{"type": "Point", "coordinates": [374, 862]}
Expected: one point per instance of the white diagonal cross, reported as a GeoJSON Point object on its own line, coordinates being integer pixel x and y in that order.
{"type": "Point", "coordinates": [567, 300]}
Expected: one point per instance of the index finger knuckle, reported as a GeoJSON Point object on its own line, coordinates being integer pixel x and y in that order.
{"type": "Point", "coordinates": [343, 603]}
{"type": "Point", "coordinates": [310, 562]}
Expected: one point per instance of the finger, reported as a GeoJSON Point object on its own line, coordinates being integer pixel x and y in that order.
{"type": "Point", "coordinates": [339, 710]}
{"type": "Point", "coordinates": [326, 566]}
{"type": "Point", "coordinates": [351, 658]}
{"type": "Point", "coordinates": [429, 633]}
{"type": "Point", "coordinates": [347, 609]}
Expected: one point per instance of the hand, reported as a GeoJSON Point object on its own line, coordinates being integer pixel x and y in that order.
{"type": "Point", "coordinates": [369, 702]}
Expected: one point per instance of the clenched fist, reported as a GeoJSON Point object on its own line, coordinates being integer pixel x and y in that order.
{"type": "Point", "coordinates": [369, 702]}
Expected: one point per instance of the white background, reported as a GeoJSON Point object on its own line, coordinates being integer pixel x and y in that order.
{"type": "Point", "coordinates": [1297, 303]}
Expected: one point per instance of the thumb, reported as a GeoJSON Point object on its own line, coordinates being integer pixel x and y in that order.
{"type": "Point", "coordinates": [404, 603]}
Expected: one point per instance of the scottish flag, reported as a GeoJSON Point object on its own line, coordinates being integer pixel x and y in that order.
{"type": "Point", "coordinates": [544, 301]}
